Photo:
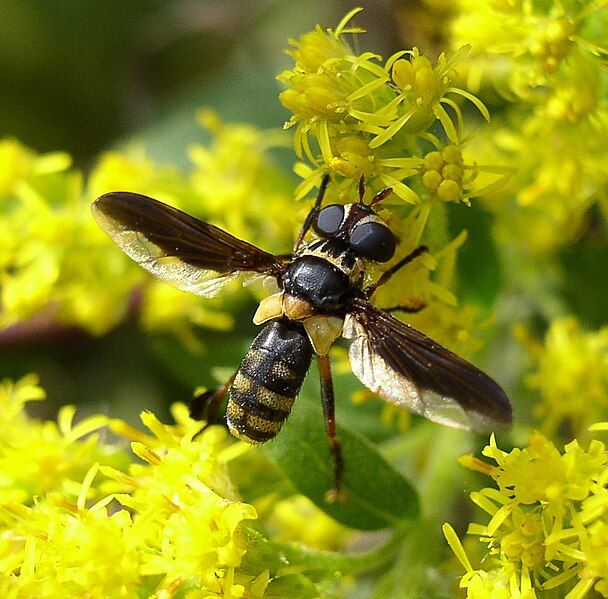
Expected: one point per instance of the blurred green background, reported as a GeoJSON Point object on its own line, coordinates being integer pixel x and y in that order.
{"type": "Point", "coordinates": [85, 76]}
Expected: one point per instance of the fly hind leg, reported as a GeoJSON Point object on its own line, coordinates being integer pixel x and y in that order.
{"type": "Point", "coordinates": [327, 396]}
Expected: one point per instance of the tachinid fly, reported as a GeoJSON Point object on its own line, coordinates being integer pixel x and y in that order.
{"type": "Point", "coordinates": [321, 297]}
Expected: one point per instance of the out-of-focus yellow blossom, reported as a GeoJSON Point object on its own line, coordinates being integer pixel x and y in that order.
{"type": "Point", "coordinates": [570, 372]}
{"type": "Point", "coordinates": [239, 188]}
{"type": "Point", "coordinates": [55, 264]}
{"type": "Point", "coordinates": [46, 237]}
{"type": "Point", "coordinates": [58, 267]}
{"type": "Point", "coordinates": [18, 163]}
{"type": "Point", "coordinates": [167, 309]}
{"type": "Point", "coordinates": [548, 515]}
{"type": "Point", "coordinates": [79, 517]}
{"type": "Point", "coordinates": [133, 170]}
{"type": "Point", "coordinates": [297, 519]}
{"type": "Point", "coordinates": [521, 45]}
{"type": "Point", "coordinates": [560, 175]}
{"type": "Point", "coordinates": [367, 118]}
{"type": "Point", "coordinates": [546, 61]}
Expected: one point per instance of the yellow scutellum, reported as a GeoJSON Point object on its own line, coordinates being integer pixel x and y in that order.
{"type": "Point", "coordinates": [570, 363]}
{"type": "Point", "coordinates": [548, 517]}
{"type": "Point", "coordinates": [547, 60]}
{"type": "Point", "coordinates": [80, 517]}
{"type": "Point", "coordinates": [355, 116]}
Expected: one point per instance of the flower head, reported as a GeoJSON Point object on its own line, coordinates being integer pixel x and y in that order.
{"type": "Point", "coordinates": [545, 62]}
{"type": "Point", "coordinates": [87, 519]}
{"type": "Point", "coordinates": [367, 118]}
{"type": "Point", "coordinates": [543, 511]}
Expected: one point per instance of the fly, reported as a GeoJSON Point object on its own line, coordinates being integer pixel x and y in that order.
{"type": "Point", "coordinates": [321, 297]}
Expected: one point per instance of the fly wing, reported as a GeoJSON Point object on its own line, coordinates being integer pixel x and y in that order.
{"type": "Point", "coordinates": [179, 249]}
{"type": "Point", "coordinates": [408, 369]}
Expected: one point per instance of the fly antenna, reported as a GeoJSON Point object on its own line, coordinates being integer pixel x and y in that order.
{"type": "Point", "coordinates": [381, 195]}
{"type": "Point", "coordinates": [361, 188]}
{"type": "Point", "coordinates": [377, 198]}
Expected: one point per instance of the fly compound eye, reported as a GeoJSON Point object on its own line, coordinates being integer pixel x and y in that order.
{"type": "Point", "coordinates": [329, 219]}
{"type": "Point", "coordinates": [373, 241]}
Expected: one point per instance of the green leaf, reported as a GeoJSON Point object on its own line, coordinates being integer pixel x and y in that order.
{"type": "Point", "coordinates": [377, 496]}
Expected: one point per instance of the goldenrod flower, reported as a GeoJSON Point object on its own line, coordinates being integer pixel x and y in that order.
{"type": "Point", "coordinates": [547, 517]}
{"type": "Point", "coordinates": [18, 163]}
{"type": "Point", "coordinates": [545, 61]}
{"type": "Point", "coordinates": [80, 517]}
{"type": "Point", "coordinates": [58, 267]}
{"type": "Point", "coordinates": [297, 519]}
{"type": "Point", "coordinates": [238, 187]}
{"type": "Point", "coordinates": [38, 457]}
{"type": "Point", "coordinates": [521, 45]}
{"type": "Point", "coordinates": [366, 118]}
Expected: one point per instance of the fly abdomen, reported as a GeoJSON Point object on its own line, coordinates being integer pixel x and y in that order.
{"type": "Point", "coordinates": [268, 382]}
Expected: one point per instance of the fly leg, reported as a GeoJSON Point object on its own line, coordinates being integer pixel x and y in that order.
{"type": "Point", "coordinates": [411, 309]}
{"type": "Point", "coordinates": [312, 214]}
{"type": "Point", "coordinates": [327, 398]}
{"type": "Point", "coordinates": [206, 406]}
{"type": "Point", "coordinates": [387, 274]}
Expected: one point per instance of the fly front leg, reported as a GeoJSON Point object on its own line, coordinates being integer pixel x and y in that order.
{"type": "Point", "coordinates": [312, 214]}
{"type": "Point", "coordinates": [327, 398]}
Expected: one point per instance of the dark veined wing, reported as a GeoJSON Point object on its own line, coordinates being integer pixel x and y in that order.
{"type": "Point", "coordinates": [410, 370]}
{"type": "Point", "coordinates": [183, 251]}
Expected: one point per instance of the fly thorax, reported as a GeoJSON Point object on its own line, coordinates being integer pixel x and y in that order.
{"type": "Point", "coordinates": [321, 276]}
{"type": "Point", "coordinates": [339, 255]}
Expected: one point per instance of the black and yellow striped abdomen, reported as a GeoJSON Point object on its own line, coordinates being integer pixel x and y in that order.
{"type": "Point", "coordinates": [268, 381]}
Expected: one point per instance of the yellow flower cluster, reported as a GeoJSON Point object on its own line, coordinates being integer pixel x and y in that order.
{"type": "Point", "coordinates": [533, 39]}
{"type": "Point", "coordinates": [570, 364]}
{"type": "Point", "coordinates": [37, 458]}
{"type": "Point", "coordinates": [370, 119]}
{"type": "Point", "coordinates": [548, 521]}
{"type": "Point", "coordinates": [82, 518]}
{"type": "Point", "coordinates": [545, 60]}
